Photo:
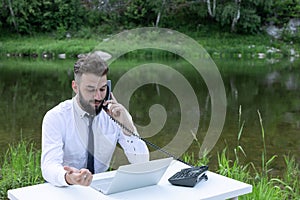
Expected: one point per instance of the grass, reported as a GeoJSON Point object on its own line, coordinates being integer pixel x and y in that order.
{"type": "Point", "coordinates": [216, 44]}
{"type": "Point", "coordinates": [264, 185]}
{"type": "Point", "coordinates": [44, 44]}
{"type": "Point", "coordinates": [21, 167]}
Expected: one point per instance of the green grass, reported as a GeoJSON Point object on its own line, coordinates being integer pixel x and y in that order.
{"type": "Point", "coordinates": [264, 185]}
{"type": "Point", "coordinates": [216, 44]}
{"type": "Point", "coordinates": [41, 44]}
{"type": "Point", "coordinates": [20, 167]}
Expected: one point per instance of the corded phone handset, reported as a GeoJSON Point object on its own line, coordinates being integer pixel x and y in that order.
{"type": "Point", "coordinates": [108, 91]}
{"type": "Point", "coordinates": [107, 97]}
{"type": "Point", "coordinates": [188, 177]}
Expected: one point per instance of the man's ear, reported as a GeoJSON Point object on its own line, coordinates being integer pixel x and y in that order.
{"type": "Point", "coordinates": [74, 87]}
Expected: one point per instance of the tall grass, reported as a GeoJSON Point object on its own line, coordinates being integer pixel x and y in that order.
{"type": "Point", "coordinates": [264, 185]}
{"type": "Point", "coordinates": [20, 167]}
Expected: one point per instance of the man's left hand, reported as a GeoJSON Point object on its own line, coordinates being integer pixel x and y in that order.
{"type": "Point", "coordinates": [119, 112]}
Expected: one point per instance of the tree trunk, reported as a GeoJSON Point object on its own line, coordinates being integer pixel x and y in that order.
{"type": "Point", "coordinates": [13, 15]}
{"type": "Point", "coordinates": [237, 16]}
{"type": "Point", "coordinates": [157, 19]}
{"type": "Point", "coordinates": [159, 13]}
{"type": "Point", "coordinates": [211, 12]}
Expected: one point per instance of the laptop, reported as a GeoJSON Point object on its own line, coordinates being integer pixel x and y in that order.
{"type": "Point", "coordinates": [133, 176]}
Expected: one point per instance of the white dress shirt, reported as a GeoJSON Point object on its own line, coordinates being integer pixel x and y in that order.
{"type": "Point", "coordinates": [65, 138]}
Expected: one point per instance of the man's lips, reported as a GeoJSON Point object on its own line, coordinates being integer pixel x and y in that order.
{"type": "Point", "coordinates": [96, 103]}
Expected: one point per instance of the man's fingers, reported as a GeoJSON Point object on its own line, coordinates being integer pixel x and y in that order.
{"type": "Point", "coordinates": [69, 170]}
{"type": "Point", "coordinates": [86, 178]}
{"type": "Point", "coordinates": [78, 177]}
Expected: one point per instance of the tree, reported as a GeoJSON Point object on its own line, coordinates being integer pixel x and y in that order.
{"type": "Point", "coordinates": [212, 12]}
{"type": "Point", "coordinates": [160, 12]}
{"type": "Point", "coordinates": [236, 16]}
{"type": "Point", "coordinates": [13, 18]}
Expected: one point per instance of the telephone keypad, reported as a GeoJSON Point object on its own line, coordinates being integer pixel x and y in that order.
{"type": "Point", "coordinates": [189, 177]}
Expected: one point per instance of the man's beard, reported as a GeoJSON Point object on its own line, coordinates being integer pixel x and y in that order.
{"type": "Point", "coordinates": [87, 107]}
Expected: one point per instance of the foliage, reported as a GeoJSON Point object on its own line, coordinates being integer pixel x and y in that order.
{"type": "Point", "coordinates": [32, 16]}
{"type": "Point", "coordinates": [24, 15]}
{"type": "Point", "coordinates": [250, 22]}
{"type": "Point", "coordinates": [284, 10]}
{"type": "Point", "coordinates": [137, 13]}
{"type": "Point", "coordinates": [181, 14]}
{"type": "Point", "coordinates": [292, 177]}
{"type": "Point", "coordinates": [29, 17]}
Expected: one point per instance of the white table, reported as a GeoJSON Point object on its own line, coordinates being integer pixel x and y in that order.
{"type": "Point", "coordinates": [216, 187]}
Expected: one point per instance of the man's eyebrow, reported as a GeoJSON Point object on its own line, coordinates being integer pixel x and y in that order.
{"type": "Point", "coordinates": [104, 86]}
{"type": "Point", "coordinates": [93, 87]}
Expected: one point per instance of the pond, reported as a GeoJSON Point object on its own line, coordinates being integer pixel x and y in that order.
{"type": "Point", "coordinates": [30, 87]}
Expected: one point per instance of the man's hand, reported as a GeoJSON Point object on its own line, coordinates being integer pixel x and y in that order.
{"type": "Point", "coordinates": [75, 176]}
{"type": "Point", "coordinates": [119, 112]}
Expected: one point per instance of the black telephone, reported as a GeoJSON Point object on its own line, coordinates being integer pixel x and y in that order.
{"type": "Point", "coordinates": [107, 97]}
{"type": "Point", "coordinates": [188, 177]}
{"type": "Point", "coordinates": [108, 91]}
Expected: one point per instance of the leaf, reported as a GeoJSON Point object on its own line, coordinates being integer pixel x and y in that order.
{"type": "Point", "coordinates": [271, 160]}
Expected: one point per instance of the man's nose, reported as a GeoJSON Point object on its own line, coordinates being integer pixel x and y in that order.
{"type": "Point", "coordinates": [97, 95]}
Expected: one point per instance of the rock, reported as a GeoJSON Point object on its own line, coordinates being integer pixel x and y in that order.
{"type": "Point", "coordinates": [274, 31]}
{"type": "Point", "coordinates": [261, 55]}
{"type": "Point", "coordinates": [292, 27]}
{"type": "Point", "coordinates": [62, 56]}
{"type": "Point", "coordinates": [103, 55]}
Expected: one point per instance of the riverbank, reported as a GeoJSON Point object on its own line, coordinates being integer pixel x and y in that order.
{"type": "Point", "coordinates": [218, 45]}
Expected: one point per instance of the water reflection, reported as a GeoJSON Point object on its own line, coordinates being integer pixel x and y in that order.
{"type": "Point", "coordinates": [29, 88]}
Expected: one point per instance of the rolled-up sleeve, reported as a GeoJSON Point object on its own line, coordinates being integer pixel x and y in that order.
{"type": "Point", "coordinates": [135, 149]}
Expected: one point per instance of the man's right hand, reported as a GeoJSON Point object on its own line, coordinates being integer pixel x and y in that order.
{"type": "Point", "coordinates": [75, 176]}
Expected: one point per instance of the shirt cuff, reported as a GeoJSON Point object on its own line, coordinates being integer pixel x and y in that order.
{"type": "Point", "coordinates": [61, 180]}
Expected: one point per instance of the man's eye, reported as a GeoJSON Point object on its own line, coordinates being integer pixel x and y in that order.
{"type": "Point", "coordinates": [91, 90]}
{"type": "Point", "coordinates": [102, 89]}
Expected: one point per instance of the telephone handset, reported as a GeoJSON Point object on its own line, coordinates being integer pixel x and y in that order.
{"type": "Point", "coordinates": [107, 97]}
{"type": "Point", "coordinates": [108, 91]}
{"type": "Point", "coordinates": [186, 177]}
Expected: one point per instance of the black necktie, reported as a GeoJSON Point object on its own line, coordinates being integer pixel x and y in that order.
{"type": "Point", "coordinates": [90, 162]}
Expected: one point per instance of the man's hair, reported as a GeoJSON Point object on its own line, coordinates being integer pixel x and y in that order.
{"type": "Point", "coordinates": [91, 63]}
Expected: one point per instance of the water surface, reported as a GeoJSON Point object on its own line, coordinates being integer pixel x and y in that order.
{"type": "Point", "coordinates": [29, 88]}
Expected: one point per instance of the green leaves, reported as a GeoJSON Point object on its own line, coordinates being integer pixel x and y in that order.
{"type": "Point", "coordinates": [28, 17]}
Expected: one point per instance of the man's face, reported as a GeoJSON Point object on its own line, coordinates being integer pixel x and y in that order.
{"type": "Point", "coordinates": [91, 92]}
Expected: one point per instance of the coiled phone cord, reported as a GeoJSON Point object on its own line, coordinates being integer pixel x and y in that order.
{"type": "Point", "coordinates": [146, 141]}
